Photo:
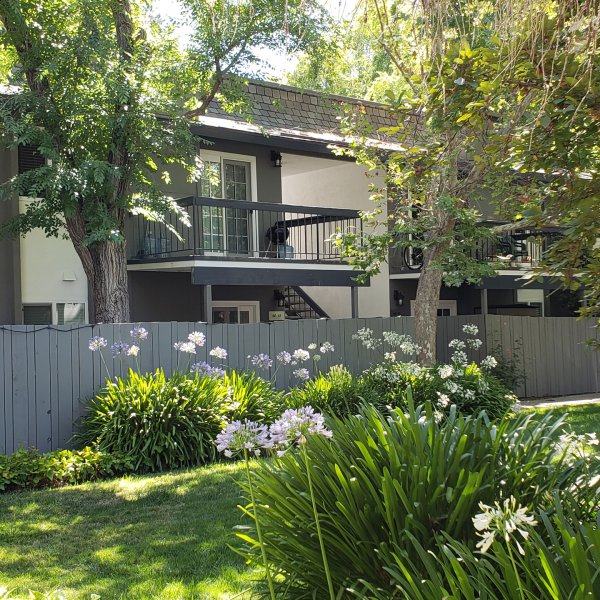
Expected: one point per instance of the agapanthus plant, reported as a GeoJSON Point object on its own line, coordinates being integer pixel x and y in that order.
{"type": "Point", "coordinates": [507, 521]}
{"type": "Point", "coordinates": [292, 428]}
{"type": "Point", "coordinates": [248, 438]}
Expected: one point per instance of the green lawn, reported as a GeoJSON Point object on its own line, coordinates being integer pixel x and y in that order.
{"type": "Point", "coordinates": [162, 536]}
{"type": "Point", "coordinates": [583, 419]}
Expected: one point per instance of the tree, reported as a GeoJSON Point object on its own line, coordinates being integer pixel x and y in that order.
{"type": "Point", "coordinates": [480, 88]}
{"type": "Point", "coordinates": [106, 95]}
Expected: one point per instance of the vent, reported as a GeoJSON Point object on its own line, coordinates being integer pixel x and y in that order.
{"type": "Point", "coordinates": [29, 159]}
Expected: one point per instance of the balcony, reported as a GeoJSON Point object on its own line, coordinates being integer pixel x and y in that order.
{"type": "Point", "coordinates": [238, 230]}
{"type": "Point", "coordinates": [510, 249]}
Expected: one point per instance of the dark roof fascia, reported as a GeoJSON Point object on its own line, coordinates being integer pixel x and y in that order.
{"type": "Point", "coordinates": [295, 146]}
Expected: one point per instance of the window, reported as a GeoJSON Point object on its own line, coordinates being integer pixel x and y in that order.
{"type": "Point", "coordinates": [37, 314]}
{"type": "Point", "coordinates": [235, 312]}
{"type": "Point", "coordinates": [226, 230]}
{"type": "Point", "coordinates": [446, 308]}
{"type": "Point", "coordinates": [70, 312]}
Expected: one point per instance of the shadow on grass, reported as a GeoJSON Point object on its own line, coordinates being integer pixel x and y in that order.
{"type": "Point", "coordinates": [162, 536]}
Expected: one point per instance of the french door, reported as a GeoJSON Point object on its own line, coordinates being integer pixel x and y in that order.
{"type": "Point", "coordinates": [226, 230]}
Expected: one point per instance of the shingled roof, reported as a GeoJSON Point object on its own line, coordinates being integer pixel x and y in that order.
{"type": "Point", "coordinates": [294, 113]}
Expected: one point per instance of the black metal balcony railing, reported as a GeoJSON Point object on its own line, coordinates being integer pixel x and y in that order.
{"type": "Point", "coordinates": [510, 249]}
{"type": "Point", "coordinates": [242, 230]}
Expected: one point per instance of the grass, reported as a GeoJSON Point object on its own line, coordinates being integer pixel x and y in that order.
{"type": "Point", "coordinates": [583, 418]}
{"type": "Point", "coordinates": [162, 536]}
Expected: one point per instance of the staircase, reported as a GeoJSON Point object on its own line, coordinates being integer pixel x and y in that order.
{"type": "Point", "coordinates": [299, 305]}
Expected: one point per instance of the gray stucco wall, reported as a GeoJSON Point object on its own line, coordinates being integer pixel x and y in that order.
{"type": "Point", "coordinates": [268, 177]}
{"type": "Point", "coordinates": [156, 296]}
{"type": "Point", "coordinates": [10, 278]}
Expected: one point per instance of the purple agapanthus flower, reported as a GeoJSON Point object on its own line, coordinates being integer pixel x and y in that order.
{"type": "Point", "coordinates": [243, 436]}
{"type": "Point", "coordinates": [295, 424]}
{"type": "Point", "coordinates": [262, 361]}
{"type": "Point", "coordinates": [139, 333]}
{"type": "Point", "coordinates": [301, 374]}
{"type": "Point", "coordinates": [203, 368]}
{"type": "Point", "coordinates": [119, 348]}
{"type": "Point", "coordinates": [97, 343]}
{"type": "Point", "coordinates": [284, 357]}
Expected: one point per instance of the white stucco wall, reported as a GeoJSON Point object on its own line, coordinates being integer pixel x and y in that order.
{"type": "Point", "coordinates": [51, 271]}
{"type": "Point", "coordinates": [311, 181]}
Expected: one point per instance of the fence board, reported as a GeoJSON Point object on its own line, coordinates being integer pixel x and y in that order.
{"type": "Point", "coordinates": [48, 374]}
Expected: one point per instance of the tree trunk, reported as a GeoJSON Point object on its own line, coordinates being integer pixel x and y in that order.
{"type": "Point", "coordinates": [426, 307]}
{"type": "Point", "coordinates": [108, 284]}
{"type": "Point", "coordinates": [428, 294]}
{"type": "Point", "coordinates": [105, 266]}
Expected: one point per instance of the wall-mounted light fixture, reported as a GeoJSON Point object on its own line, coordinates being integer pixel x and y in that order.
{"type": "Point", "coordinates": [398, 298]}
{"type": "Point", "coordinates": [276, 158]}
{"type": "Point", "coordinates": [279, 298]}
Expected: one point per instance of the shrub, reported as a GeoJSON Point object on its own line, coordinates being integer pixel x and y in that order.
{"type": "Point", "coordinates": [31, 469]}
{"type": "Point", "coordinates": [337, 392]}
{"type": "Point", "coordinates": [381, 483]}
{"type": "Point", "coordinates": [247, 396]}
{"type": "Point", "coordinates": [158, 423]}
{"type": "Point", "coordinates": [509, 370]}
{"type": "Point", "coordinates": [469, 387]}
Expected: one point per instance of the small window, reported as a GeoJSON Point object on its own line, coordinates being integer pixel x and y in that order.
{"type": "Point", "coordinates": [37, 314]}
{"type": "Point", "coordinates": [70, 312]}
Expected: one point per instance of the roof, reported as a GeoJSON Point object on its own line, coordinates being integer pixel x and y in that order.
{"type": "Point", "coordinates": [294, 113]}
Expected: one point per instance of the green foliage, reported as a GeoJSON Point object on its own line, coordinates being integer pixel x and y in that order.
{"type": "Point", "coordinates": [561, 560]}
{"type": "Point", "coordinates": [384, 483]}
{"type": "Point", "coordinates": [247, 396]}
{"type": "Point", "coordinates": [337, 392]}
{"type": "Point", "coordinates": [509, 370]}
{"type": "Point", "coordinates": [31, 469]}
{"type": "Point", "coordinates": [158, 423]}
{"type": "Point", "coordinates": [164, 423]}
{"type": "Point", "coordinates": [470, 388]}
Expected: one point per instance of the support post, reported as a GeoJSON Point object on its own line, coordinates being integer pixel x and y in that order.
{"type": "Point", "coordinates": [208, 303]}
{"type": "Point", "coordinates": [484, 301]}
{"type": "Point", "coordinates": [354, 301]}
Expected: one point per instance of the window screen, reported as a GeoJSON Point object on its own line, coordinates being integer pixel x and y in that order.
{"type": "Point", "coordinates": [70, 312]}
{"type": "Point", "coordinates": [37, 314]}
{"type": "Point", "coordinates": [29, 159]}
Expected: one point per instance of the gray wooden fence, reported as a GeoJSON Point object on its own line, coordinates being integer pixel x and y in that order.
{"type": "Point", "coordinates": [47, 373]}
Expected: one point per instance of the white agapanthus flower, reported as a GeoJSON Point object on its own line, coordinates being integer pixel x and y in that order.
{"type": "Point", "coordinates": [219, 352]}
{"type": "Point", "coordinates": [446, 371]}
{"type": "Point", "coordinates": [504, 521]}
{"type": "Point", "coordinates": [301, 355]}
{"type": "Point", "coordinates": [198, 338]}
{"type": "Point", "coordinates": [489, 362]}
{"type": "Point", "coordinates": [470, 329]}
{"type": "Point", "coordinates": [133, 350]}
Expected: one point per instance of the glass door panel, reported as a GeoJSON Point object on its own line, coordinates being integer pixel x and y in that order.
{"type": "Point", "coordinates": [226, 230]}
{"type": "Point", "coordinates": [237, 221]}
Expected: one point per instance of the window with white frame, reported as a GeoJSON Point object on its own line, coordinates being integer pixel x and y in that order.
{"type": "Point", "coordinates": [229, 177]}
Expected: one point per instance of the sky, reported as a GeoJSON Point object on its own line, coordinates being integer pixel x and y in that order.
{"type": "Point", "coordinates": [278, 62]}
